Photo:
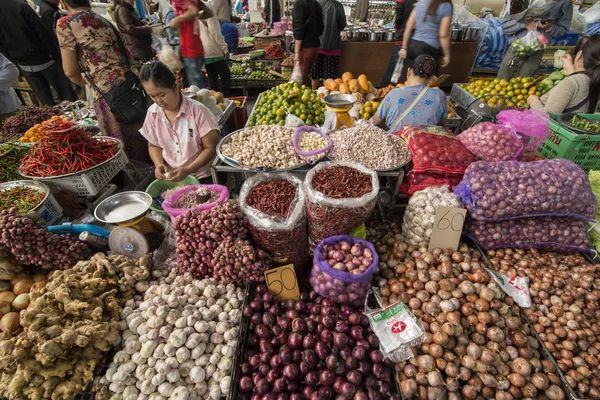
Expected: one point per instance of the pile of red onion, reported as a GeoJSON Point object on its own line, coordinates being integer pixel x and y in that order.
{"type": "Point", "coordinates": [212, 243]}
{"type": "Point", "coordinates": [347, 257]}
{"type": "Point", "coordinates": [311, 349]}
{"type": "Point", "coordinates": [32, 244]}
{"type": "Point", "coordinates": [476, 345]}
{"type": "Point", "coordinates": [564, 289]}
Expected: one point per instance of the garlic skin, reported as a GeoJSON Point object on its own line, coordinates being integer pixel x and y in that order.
{"type": "Point", "coordinates": [178, 341]}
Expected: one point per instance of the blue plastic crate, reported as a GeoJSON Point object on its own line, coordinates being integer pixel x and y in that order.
{"type": "Point", "coordinates": [567, 40]}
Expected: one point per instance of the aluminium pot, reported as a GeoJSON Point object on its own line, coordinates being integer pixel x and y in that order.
{"type": "Point", "coordinates": [375, 35]}
{"type": "Point", "coordinates": [470, 34]}
{"type": "Point", "coordinates": [389, 35]}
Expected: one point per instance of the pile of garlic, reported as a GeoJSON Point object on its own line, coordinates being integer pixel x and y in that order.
{"type": "Point", "coordinates": [178, 343]}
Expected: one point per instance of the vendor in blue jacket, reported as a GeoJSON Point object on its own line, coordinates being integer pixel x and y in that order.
{"type": "Point", "coordinates": [555, 21]}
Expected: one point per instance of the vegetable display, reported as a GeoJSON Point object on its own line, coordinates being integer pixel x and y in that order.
{"type": "Point", "coordinates": [69, 327]}
{"type": "Point", "coordinates": [26, 117]}
{"type": "Point", "coordinates": [20, 197]}
{"type": "Point", "coordinates": [32, 244]}
{"type": "Point", "coordinates": [56, 122]}
{"type": "Point", "coordinates": [67, 151]}
{"type": "Point", "coordinates": [584, 123]}
{"type": "Point", "coordinates": [516, 89]}
{"type": "Point", "coordinates": [179, 341]}
{"type": "Point", "coordinates": [419, 215]}
{"type": "Point", "coordinates": [288, 98]}
{"type": "Point", "coordinates": [311, 349]}
{"type": "Point", "coordinates": [549, 233]}
{"type": "Point", "coordinates": [476, 345]}
{"type": "Point", "coordinates": [211, 244]}
{"type": "Point", "coordinates": [274, 205]}
{"type": "Point", "coordinates": [370, 146]}
{"type": "Point", "coordinates": [262, 146]}
{"type": "Point", "coordinates": [495, 191]}
{"type": "Point", "coordinates": [339, 197]}
{"type": "Point", "coordinates": [343, 269]}
{"type": "Point", "coordinates": [192, 198]}
{"type": "Point", "coordinates": [491, 142]}
{"type": "Point", "coordinates": [439, 153]}
{"type": "Point", "coordinates": [565, 312]}
{"type": "Point", "coordinates": [274, 51]}
{"type": "Point", "coordinates": [9, 164]}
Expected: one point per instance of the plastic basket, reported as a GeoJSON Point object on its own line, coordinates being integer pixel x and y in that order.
{"type": "Point", "coordinates": [49, 210]}
{"type": "Point", "coordinates": [158, 187]}
{"type": "Point", "coordinates": [583, 150]}
{"type": "Point", "coordinates": [90, 181]}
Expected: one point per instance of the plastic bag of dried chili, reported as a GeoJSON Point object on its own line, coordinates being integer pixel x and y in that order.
{"type": "Point", "coordinates": [274, 205]}
{"type": "Point", "coordinates": [339, 197]}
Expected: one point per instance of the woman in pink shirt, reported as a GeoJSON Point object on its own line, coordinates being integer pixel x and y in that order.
{"type": "Point", "coordinates": [182, 134]}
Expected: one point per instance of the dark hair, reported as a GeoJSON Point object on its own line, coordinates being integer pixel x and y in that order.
{"type": "Point", "coordinates": [591, 62]}
{"type": "Point", "coordinates": [159, 74]}
{"type": "Point", "coordinates": [78, 3]}
{"type": "Point", "coordinates": [423, 66]}
{"type": "Point", "coordinates": [433, 6]}
{"type": "Point", "coordinates": [117, 2]}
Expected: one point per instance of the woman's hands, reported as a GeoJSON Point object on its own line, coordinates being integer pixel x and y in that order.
{"type": "Point", "coordinates": [445, 61]}
{"type": "Point", "coordinates": [402, 53]}
{"type": "Point", "coordinates": [160, 171]}
{"type": "Point", "coordinates": [164, 173]}
{"type": "Point", "coordinates": [532, 99]}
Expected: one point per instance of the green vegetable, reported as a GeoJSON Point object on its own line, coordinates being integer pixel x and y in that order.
{"type": "Point", "coordinates": [9, 164]}
{"type": "Point", "coordinates": [584, 123]}
{"type": "Point", "coordinates": [555, 76]}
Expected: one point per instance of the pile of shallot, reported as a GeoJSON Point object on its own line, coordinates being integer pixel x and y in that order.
{"type": "Point", "coordinates": [565, 290]}
{"type": "Point", "coordinates": [352, 258]}
{"type": "Point", "coordinates": [475, 343]}
{"type": "Point", "coordinates": [212, 243]}
{"type": "Point", "coordinates": [313, 349]}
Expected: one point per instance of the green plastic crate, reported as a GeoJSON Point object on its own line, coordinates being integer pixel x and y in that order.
{"type": "Point", "coordinates": [583, 150]}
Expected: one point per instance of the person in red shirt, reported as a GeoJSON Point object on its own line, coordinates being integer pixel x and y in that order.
{"type": "Point", "coordinates": [188, 12]}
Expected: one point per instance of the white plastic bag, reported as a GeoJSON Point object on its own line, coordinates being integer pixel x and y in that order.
{"type": "Point", "coordinates": [558, 63]}
{"type": "Point", "coordinates": [578, 23]}
{"type": "Point", "coordinates": [515, 287]}
{"type": "Point", "coordinates": [167, 55]}
{"type": "Point", "coordinates": [297, 74]}
{"type": "Point", "coordinates": [592, 14]}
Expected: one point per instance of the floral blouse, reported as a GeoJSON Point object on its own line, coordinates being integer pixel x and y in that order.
{"type": "Point", "coordinates": [98, 51]}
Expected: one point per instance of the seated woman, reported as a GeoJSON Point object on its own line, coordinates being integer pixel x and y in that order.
{"type": "Point", "coordinates": [579, 91]}
{"type": "Point", "coordinates": [182, 134]}
{"type": "Point", "coordinates": [416, 103]}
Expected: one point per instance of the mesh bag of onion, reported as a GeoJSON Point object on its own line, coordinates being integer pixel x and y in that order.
{"type": "Point", "coordinates": [547, 233]}
{"type": "Point", "coordinates": [438, 152]}
{"type": "Point", "coordinates": [491, 142]}
{"type": "Point", "coordinates": [531, 125]}
{"type": "Point", "coordinates": [171, 200]}
{"type": "Point", "coordinates": [500, 190]}
{"type": "Point", "coordinates": [421, 180]}
{"type": "Point", "coordinates": [343, 268]}
{"type": "Point", "coordinates": [274, 205]}
{"type": "Point", "coordinates": [339, 197]}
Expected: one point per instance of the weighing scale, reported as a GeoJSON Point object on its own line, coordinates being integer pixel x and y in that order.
{"type": "Point", "coordinates": [340, 104]}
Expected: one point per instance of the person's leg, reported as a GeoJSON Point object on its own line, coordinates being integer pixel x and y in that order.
{"type": "Point", "coordinates": [59, 81]}
{"type": "Point", "coordinates": [332, 67]}
{"type": "Point", "coordinates": [530, 65]}
{"type": "Point", "coordinates": [309, 57]}
{"type": "Point", "coordinates": [506, 70]}
{"type": "Point", "coordinates": [40, 87]}
{"type": "Point", "coordinates": [193, 71]}
{"type": "Point", "coordinates": [391, 66]}
{"type": "Point", "coordinates": [213, 76]}
{"type": "Point", "coordinates": [223, 71]}
{"type": "Point", "coordinates": [317, 72]}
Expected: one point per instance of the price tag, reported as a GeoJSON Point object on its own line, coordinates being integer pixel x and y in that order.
{"type": "Point", "coordinates": [283, 283]}
{"type": "Point", "coordinates": [447, 228]}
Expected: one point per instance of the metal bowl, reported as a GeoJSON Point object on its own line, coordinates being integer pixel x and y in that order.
{"type": "Point", "coordinates": [123, 207]}
{"type": "Point", "coordinates": [340, 100]}
{"type": "Point", "coordinates": [39, 186]}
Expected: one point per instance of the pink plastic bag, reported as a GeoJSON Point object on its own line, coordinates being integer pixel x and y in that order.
{"type": "Point", "coordinates": [532, 125]}
{"type": "Point", "coordinates": [491, 142]}
{"type": "Point", "coordinates": [171, 199]}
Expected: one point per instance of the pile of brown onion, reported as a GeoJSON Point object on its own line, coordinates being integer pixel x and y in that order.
{"type": "Point", "coordinates": [476, 346]}
{"type": "Point", "coordinates": [565, 292]}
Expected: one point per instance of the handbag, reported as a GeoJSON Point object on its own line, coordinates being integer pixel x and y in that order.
{"type": "Point", "coordinates": [409, 109]}
{"type": "Point", "coordinates": [128, 101]}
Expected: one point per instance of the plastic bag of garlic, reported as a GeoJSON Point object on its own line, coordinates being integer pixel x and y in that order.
{"type": "Point", "coordinates": [420, 213]}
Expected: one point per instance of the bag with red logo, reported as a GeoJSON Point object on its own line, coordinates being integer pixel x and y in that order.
{"type": "Point", "coordinates": [516, 287]}
{"type": "Point", "coordinates": [396, 328]}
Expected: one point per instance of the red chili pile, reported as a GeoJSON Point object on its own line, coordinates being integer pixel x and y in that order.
{"type": "Point", "coordinates": [273, 197]}
{"type": "Point", "coordinates": [341, 182]}
{"type": "Point", "coordinates": [67, 150]}
{"type": "Point", "coordinates": [274, 51]}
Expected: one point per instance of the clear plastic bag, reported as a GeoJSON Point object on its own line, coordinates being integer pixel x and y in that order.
{"type": "Point", "coordinates": [171, 199]}
{"type": "Point", "coordinates": [516, 287]}
{"type": "Point", "coordinates": [501, 190]}
{"type": "Point", "coordinates": [532, 125]}
{"type": "Point", "coordinates": [592, 14]}
{"type": "Point", "coordinates": [396, 328]}
{"type": "Point", "coordinates": [419, 215]}
{"type": "Point", "coordinates": [546, 233]}
{"type": "Point", "coordinates": [283, 239]}
{"type": "Point", "coordinates": [292, 121]}
{"type": "Point", "coordinates": [297, 74]}
{"type": "Point", "coordinates": [491, 142]}
{"type": "Point", "coordinates": [440, 153]}
{"type": "Point", "coordinates": [167, 55]}
{"type": "Point", "coordinates": [341, 286]}
{"type": "Point", "coordinates": [578, 24]}
{"type": "Point", "coordinates": [329, 216]}
{"type": "Point", "coordinates": [527, 45]}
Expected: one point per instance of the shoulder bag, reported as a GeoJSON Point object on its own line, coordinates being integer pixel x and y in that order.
{"type": "Point", "coordinates": [399, 120]}
{"type": "Point", "coordinates": [128, 102]}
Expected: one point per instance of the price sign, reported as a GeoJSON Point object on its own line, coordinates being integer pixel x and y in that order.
{"type": "Point", "coordinates": [283, 283]}
{"type": "Point", "coordinates": [447, 228]}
